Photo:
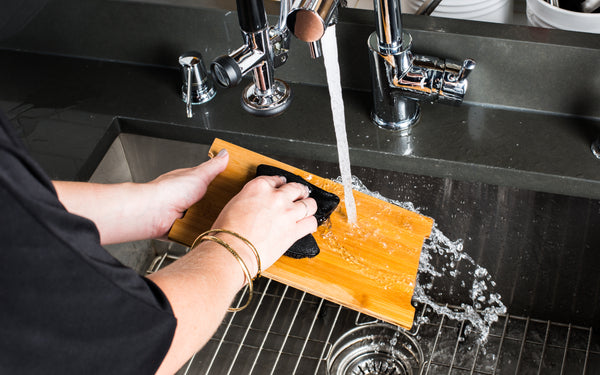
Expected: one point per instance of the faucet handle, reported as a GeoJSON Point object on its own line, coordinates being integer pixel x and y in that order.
{"type": "Point", "coordinates": [454, 83]}
{"type": "Point", "coordinates": [226, 71]}
{"type": "Point", "coordinates": [251, 15]}
{"type": "Point", "coordinates": [467, 67]}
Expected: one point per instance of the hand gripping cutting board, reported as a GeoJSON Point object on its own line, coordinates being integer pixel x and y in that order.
{"type": "Point", "coordinates": [370, 266]}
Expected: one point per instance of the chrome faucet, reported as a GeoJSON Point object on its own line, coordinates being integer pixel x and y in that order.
{"type": "Point", "coordinates": [265, 48]}
{"type": "Point", "coordinates": [399, 79]}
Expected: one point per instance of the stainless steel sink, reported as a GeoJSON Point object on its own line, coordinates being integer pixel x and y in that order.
{"type": "Point", "coordinates": [540, 249]}
{"type": "Point", "coordinates": [133, 158]}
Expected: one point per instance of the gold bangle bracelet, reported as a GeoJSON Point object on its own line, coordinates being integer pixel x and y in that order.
{"type": "Point", "coordinates": [250, 245]}
{"type": "Point", "coordinates": [204, 237]}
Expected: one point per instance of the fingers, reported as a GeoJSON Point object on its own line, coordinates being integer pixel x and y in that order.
{"type": "Point", "coordinates": [292, 191]}
{"type": "Point", "coordinates": [307, 225]}
{"type": "Point", "coordinates": [306, 207]}
{"type": "Point", "coordinates": [284, 211]}
{"type": "Point", "coordinates": [273, 181]}
{"type": "Point", "coordinates": [293, 196]}
{"type": "Point", "coordinates": [295, 191]}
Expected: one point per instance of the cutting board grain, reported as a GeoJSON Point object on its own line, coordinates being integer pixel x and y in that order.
{"type": "Point", "coordinates": [370, 266]}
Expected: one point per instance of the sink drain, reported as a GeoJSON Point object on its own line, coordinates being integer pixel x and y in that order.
{"type": "Point", "coordinates": [375, 349]}
{"type": "Point", "coordinates": [376, 363]}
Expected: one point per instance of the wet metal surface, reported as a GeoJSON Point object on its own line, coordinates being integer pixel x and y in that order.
{"type": "Point", "coordinates": [541, 249]}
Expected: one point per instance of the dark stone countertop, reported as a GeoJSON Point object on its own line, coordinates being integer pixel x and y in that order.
{"type": "Point", "coordinates": [68, 109]}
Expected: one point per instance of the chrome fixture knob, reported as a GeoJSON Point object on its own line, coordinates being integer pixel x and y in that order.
{"type": "Point", "coordinates": [265, 48]}
{"type": "Point", "coordinates": [197, 87]}
{"type": "Point", "coordinates": [466, 69]}
{"type": "Point", "coordinates": [226, 71]}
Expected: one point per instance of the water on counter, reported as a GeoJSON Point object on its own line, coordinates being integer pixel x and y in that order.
{"type": "Point", "coordinates": [332, 68]}
{"type": "Point", "coordinates": [484, 306]}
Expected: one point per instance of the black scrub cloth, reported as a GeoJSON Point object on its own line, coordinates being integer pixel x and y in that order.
{"type": "Point", "coordinates": [66, 305]}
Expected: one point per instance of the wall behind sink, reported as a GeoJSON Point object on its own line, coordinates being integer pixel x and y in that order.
{"type": "Point", "coordinates": [518, 66]}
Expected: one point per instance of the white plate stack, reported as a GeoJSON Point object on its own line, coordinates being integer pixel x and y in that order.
{"type": "Point", "coordinates": [542, 14]}
{"type": "Point", "coordinates": [499, 11]}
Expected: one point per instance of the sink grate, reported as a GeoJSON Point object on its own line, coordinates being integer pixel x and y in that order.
{"type": "Point", "coordinates": [287, 331]}
{"type": "Point", "coordinates": [516, 345]}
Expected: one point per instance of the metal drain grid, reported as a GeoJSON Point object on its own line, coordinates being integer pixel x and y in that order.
{"type": "Point", "coordinates": [287, 331]}
{"type": "Point", "coordinates": [516, 345]}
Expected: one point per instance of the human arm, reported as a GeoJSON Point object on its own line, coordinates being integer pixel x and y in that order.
{"type": "Point", "coordinates": [134, 211]}
{"type": "Point", "coordinates": [201, 285]}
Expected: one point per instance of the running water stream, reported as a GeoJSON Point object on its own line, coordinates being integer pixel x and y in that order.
{"type": "Point", "coordinates": [332, 68]}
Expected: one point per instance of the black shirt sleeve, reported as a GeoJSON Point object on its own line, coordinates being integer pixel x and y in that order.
{"type": "Point", "coordinates": [66, 305]}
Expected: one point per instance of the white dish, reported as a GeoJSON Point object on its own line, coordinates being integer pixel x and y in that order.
{"type": "Point", "coordinates": [542, 14]}
{"type": "Point", "coordinates": [479, 10]}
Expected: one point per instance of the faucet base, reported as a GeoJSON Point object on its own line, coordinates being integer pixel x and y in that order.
{"type": "Point", "coordinates": [402, 126]}
{"type": "Point", "coordinates": [270, 103]}
{"type": "Point", "coordinates": [198, 95]}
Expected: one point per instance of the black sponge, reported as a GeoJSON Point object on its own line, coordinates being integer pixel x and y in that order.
{"type": "Point", "coordinates": [306, 247]}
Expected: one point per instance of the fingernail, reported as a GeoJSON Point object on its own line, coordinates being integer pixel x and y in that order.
{"type": "Point", "coordinates": [222, 153]}
{"type": "Point", "coordinates": [283, 179]}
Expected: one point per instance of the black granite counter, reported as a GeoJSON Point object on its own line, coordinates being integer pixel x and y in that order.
{"type": "Point", "coordinates": [525, 123]}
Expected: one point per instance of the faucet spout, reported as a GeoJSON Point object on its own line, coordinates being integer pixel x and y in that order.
{"type": "Point", "coordinates": [308, 20]}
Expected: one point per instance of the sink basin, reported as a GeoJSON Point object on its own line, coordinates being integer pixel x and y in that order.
{"type": "Point", "coordinates": [539, 248]}
{"type": "Point", "coordinates": [133, 158]}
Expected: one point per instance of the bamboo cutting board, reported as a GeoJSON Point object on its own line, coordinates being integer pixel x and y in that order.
{"type": "Point", "coordinates": [370, 266]}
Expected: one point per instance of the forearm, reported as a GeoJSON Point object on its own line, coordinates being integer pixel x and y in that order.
{"type": "Point", "coordinates": [129, 211]}
{"type": "Point", "coordinates": [200, 287]}
{"type": "Point", "coordinates": [121, 212]}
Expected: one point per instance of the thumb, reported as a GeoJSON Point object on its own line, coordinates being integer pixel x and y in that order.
{"type": "Point", "coordinates": [211, 168]}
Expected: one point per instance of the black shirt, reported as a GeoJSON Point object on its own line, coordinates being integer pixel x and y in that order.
{"type": "Point", "coordinates": [66, 305]}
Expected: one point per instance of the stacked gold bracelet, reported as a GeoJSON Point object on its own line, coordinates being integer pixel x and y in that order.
{"type": "Point", "coordinates": [207, 237]}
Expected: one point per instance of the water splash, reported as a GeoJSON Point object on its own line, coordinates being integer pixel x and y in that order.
{"type": "Point", "coordinates": [483, 307]}
{"type": "Point", "coordinates": [440, 260]}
